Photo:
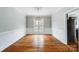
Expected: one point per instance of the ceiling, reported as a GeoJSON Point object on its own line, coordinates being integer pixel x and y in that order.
{"type": "Point", "coordinates": [38, 10]}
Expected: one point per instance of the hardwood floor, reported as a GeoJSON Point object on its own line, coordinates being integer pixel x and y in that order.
{"type": "Point", "coordinates": [38, 43]}
{"type": "Point", "coordinates": [74, 46]}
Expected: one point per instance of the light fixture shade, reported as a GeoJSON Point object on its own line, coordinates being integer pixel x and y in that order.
{"type": "Point", "coordinates": [37, 8]}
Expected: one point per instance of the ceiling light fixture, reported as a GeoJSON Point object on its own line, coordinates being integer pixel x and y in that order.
{"type": "Point", "coordinates": [38, 8]}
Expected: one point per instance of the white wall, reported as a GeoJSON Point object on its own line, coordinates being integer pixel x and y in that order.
{"type": "Point", "coordinates": [11, 19]}
{"type": "Point", "coordinates": [59, 25]}
{"type": "Point", "coordinates": [9, 37]}
{"type": "Point", "coordinates": [12, 26]}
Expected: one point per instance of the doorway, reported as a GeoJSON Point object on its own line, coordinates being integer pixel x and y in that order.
{"type": "Point", "coordinates": [38, 25]}
{"type": "Point", "coordinates": [72, 31]}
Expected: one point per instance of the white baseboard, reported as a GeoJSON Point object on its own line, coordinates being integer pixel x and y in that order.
{"type": "Point", "coordinates": [9, 37]}
{"type": "Point", "coordinates": [60, 35]}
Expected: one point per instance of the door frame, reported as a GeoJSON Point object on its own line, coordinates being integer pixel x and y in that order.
{"type": "Point", "coordinates": [65, 17]}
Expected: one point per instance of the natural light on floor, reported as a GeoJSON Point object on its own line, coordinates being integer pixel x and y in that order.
{"type": "Point", "coordinates": [38, 41]}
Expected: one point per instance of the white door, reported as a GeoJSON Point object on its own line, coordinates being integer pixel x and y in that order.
{"type": "Point", "coordinates": [38, 26]}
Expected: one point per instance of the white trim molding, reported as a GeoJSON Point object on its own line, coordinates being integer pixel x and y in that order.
{"type": "Point", "coordinates": [8, 38]}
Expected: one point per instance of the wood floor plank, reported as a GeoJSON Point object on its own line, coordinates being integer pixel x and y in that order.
{"type": "Point", "coordinates": [38, 43]}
